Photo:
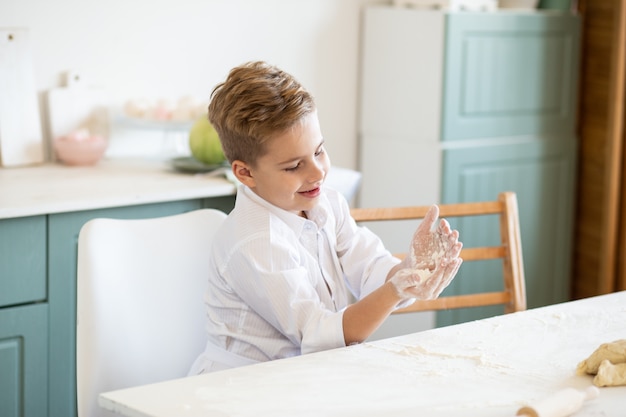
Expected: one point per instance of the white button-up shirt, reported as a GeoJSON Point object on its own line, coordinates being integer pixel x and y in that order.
{"type": "Point", "coordinates": [280, 283]}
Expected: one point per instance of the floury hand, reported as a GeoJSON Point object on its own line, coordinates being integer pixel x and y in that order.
{"type": "Point", "coordinates": [432, 260]}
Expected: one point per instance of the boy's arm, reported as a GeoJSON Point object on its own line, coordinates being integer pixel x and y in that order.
{"type": "Point", "coordinates": [362, 318]}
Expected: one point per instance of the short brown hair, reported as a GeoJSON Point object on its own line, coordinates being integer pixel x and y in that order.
{"type": "Point", "coordinates": [256, 102]}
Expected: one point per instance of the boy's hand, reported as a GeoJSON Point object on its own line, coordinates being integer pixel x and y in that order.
{"type": "Point", "coordinates": [424, 284]}
{"type": "Point", "coordinates": [432, 261]}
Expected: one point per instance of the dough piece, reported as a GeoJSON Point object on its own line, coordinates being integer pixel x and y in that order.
{"type": "Point", "coordinates": [614, 352]}
{"type": "Point", "coordinates": [610, 375]}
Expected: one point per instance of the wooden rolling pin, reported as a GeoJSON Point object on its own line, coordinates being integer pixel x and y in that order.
{"type": "Point", "coordinates": [562, 404]}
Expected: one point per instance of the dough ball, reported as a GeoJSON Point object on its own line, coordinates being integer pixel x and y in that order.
{"type": "Point", "coordinates": [610, 375]}
{"type": "Point", "coordinates": [614, 352]}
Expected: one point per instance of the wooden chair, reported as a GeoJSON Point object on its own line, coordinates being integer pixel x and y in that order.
{"type": "Point", "coordinates": [513, 294]}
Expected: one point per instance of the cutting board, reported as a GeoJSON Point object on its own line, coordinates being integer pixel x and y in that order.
{"type": "Point", "coordinates": [21, 139]}
{"type": "Point", "coordinates": [77, 106]}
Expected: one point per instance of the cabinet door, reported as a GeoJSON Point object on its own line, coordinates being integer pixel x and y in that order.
{"type": "Point", "coordinates": [510, 74]}
{"type": "Point", "coordinates": [541, 172]}
{"type": "Point", "coordinates": [62, 252]}
{"type": "Point", "coordinates": [24, 361]}
{"type": "Point", "coordinates": [22, 260]}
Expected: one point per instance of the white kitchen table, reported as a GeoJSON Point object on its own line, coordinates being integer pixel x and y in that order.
{"type": "Point", "coordinates": [490, 367]}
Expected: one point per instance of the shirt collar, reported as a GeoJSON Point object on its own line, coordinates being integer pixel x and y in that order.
{"type": "Point", "coordinates": [318, 215]}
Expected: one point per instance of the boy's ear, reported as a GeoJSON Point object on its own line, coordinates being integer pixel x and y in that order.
{"type": "Point", "coordinates": [243, 173]}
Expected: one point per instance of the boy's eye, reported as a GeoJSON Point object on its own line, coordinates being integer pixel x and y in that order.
{"type": "Point", "coordinates": [319, 152]}
{"type": "Point", "coordinates": [293, 168]}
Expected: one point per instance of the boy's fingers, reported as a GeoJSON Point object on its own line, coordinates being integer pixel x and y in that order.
{"type": "Point", "coordinates": [430, 218]}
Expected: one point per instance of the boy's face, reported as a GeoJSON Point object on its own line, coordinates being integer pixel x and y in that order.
{"type": "Point", "coordinates": [291, 171]}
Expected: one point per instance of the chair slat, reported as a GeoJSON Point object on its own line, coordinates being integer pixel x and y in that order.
{"type": "Point", "coordinates": [476, 254]}
{"type": "Point", "coordinates": [458, 301]}
{"type": "Point", "coordinates": [417, 212]}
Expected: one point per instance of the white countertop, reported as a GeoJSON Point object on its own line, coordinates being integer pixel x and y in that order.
{"type": "Point", "coordinates": [55, 188]}
{"type": "Point", "coordinates": [485, 368]}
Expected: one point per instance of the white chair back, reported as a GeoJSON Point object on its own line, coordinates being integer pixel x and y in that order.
{"type": "Point", "coordinates": [140, 311]}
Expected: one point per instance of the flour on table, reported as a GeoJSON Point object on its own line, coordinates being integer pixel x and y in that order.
{"type": "Point", "coordinates": [419, 351]}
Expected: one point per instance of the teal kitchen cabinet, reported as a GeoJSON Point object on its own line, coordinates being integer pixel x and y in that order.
{"type": "Point", "coordinates": [460, 106]}
{"type": "Point", "coordinates": [509, 75]}
{"type": "Point", "coordinates": [38, 257]}
{"type": "Point", "coordinates": [23, 317]}
{"type": "Point", "coordinates": [24, 360]}
{"type": "Point", "coordinates": [62, 254]}
{"type": "Point", "coordinates": [542, 175]}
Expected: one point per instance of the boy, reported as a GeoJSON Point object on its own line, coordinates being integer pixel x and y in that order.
{"type": "Point", "coordinates": [289, 261]}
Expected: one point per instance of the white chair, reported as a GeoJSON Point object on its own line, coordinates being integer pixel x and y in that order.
{"type": "Point", "coordinates": [140, 311]}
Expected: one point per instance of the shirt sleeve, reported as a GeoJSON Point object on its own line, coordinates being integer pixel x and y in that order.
{"type": "Point", "coordinates": [268, 275]}
{"type": "Point", "coordinates": [362, 254]}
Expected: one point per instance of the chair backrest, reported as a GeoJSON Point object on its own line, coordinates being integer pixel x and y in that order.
{"type": "Point", "coordinates": [513, 294]}
{"type": "Point", "coordinates": [140, 310]}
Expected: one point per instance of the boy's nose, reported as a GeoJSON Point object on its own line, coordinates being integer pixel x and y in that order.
{"type": "Point", "coordinates": [317, 172]}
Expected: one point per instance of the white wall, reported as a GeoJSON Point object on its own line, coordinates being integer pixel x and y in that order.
{"type": "Point", "coordinates": [171, 48]}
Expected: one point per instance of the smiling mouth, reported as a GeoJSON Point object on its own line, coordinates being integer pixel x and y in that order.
{"type": "Point", "coordinates": [310, 193]}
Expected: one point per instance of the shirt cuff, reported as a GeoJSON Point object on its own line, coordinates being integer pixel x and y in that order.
{"type": "Point", "coordinates": [328, 334]}
{"type": "Point", "coordinates": [378, 275]}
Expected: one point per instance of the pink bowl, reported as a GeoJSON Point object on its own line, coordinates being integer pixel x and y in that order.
{"type": "Point", "coordinates": [83, 151]}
